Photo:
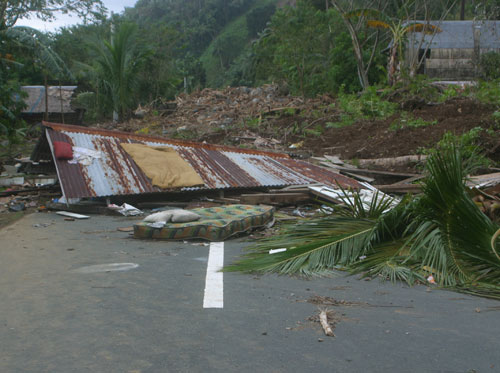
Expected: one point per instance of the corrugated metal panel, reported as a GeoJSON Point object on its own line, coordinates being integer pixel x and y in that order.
{"type": "Point", "coordinates": [220, 167]}
{"type": "Point", "coordinates": [458, 34]}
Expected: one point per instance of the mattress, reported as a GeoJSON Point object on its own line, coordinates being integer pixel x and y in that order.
{"type": "Point", "coordinates": [216, 224]}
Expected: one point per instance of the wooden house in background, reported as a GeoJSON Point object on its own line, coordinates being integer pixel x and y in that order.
{"type": "Point", "coordinates": [58, 106]}
{"type": "Point", "coordinates": [453, 53]}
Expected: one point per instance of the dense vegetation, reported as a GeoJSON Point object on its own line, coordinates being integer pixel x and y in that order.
{"type": "Point", "coordinates": [157, 49]}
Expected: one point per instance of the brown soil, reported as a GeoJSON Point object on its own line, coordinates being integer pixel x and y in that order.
{"type": "Point", "coordinates": [375, 139]}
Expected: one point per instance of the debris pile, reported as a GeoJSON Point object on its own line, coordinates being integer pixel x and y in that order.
{"type": "Point", "coordinates": [234, 115]}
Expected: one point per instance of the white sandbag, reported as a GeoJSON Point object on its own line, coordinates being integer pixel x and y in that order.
{"type": "Point", "coordinates": [183, 216]}
{"type": "Point", "coordinates": [159, 217]}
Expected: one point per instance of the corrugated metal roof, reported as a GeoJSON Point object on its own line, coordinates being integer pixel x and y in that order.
{"type": "Point", "coordinates": [35, 101]}
{"type": "Point", "coordinates": [459, 35]}
{"type": "Point", "coordinates": [220, 167]}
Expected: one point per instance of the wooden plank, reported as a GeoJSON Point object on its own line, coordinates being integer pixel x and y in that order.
{"type": "Point", "coordinates": [274, 198]}
{"type": "Point", "coordinates": [359, 177]}
{"type": "Point", "coordinates": [334, 159]}
{"type": "Point", "coordinates": [374, 172]}
{"type": "Point", "coordinates": [410, 180]}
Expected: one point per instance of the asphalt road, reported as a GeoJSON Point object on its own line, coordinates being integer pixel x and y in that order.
{"type": "Point", "coordinates": [56, 315]}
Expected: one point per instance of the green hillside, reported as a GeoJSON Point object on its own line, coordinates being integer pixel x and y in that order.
{"type": "Point", "coordinates": [227, 50]}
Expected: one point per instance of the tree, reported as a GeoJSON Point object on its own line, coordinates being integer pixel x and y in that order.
{"type": "Point", "coordinates": [308, 49]}
{"type": "Point", "coordinates": [398, 18]}
{"type": "Point", "coordinates": [43, 57]}
{"type": "Point", "coordinates": [13, 10]}
{"type": "Point", "coordinates": [355, 27]}
{"type": "Point", "coordinates": [116, 67]}
{"type": "Point", "coordinates": [11, 103]}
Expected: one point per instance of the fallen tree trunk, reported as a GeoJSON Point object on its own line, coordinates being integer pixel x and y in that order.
{"type": "Point", "coordinates": [391, 162]}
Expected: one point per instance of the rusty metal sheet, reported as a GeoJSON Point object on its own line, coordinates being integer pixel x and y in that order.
{"type": "Point", "coordinates": [220, 167]}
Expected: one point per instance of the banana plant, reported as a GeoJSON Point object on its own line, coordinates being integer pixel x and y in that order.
{"type": "Point", "coordinates": [398, 29]}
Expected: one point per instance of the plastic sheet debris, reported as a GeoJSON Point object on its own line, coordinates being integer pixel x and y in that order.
{"type": "Point", "coordinates": [158, 224]}
{"type": "Point", "coordinates": [125, 209]}
{"type": "Point", "coordinates": [41, 225]}
{"type": "Point", "coordinates": [84, 156]}
{"type": "Point", "coordinates": [16, 207]}
{"type": "Point", "coordinates": [367, 195]}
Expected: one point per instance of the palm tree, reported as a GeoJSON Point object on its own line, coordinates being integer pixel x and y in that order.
{"type": "Point", "coordinates": [116, 68]}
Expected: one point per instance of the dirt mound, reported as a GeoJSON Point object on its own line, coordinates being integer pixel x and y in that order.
{"type": "Point", "coordinates": [209, 111]}
{"type": "Point", "coordinates": [265, 118]}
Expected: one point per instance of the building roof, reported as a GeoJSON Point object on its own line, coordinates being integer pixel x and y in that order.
{"type": "Point", "coordinates": [35, 101]}
{"type": "Point", "coordinates": [220, 167]}
{"type": "Point", "coordinates": [459, 35]}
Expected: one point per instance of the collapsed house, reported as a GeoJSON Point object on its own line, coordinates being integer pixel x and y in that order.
{"type": "Point", "coordinates": [454, 50]}
{"type": "Point", "coordinates": [58, 104]}
{"type": "Point", "coordinates": [95, 163]}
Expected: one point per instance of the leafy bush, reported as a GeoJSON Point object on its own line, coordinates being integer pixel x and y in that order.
{"type": "Point", "coordinates": [468, 145]}
{"type": "Point", "coordinates": [12, 127]}
{"type": "Point", "coordinates": [407, 120]}
{"type": "Point", "coordinates": [450, 92]}
{"type": "Point", "coordinates": [487, 92]}
{"type": "Point", "coordinates": [368, 105]}
{"type": "Point", "coordinates": [419, 86]}
{"type": "Point", "coordinates": [87, 101]}
{"type": "Point", "coordinates": [490, 65]}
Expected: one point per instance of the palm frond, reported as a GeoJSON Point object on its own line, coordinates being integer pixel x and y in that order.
{"type": "Point", "coordinates": [440, 233]}
{"type": "Point", "coordinates": [312, 250]}
{"type": "Point", "coordinates": [40, 45]}
{"type": "Point", "coordinates": [373, 23]}
{"type": "Point", "coordinates": [423, 27]}
{"type": "Point", "coordinates": [363, 12]}
{"type": "Point", "coordinates": [363, 204]}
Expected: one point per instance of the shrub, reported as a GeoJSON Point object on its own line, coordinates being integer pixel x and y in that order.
{"type": "Point", "coordinates": [366, 106]}
{"type": "Point", "coordinates": [407, 120]}
{"type": "Point", "coordinates": [490, 65]}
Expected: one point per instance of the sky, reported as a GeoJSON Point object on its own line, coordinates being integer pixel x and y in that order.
{"type": "Point", "coordinates": [116, 6]}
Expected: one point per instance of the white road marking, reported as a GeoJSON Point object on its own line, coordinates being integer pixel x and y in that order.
{"type": "Point", "coordinates": [214, 282]}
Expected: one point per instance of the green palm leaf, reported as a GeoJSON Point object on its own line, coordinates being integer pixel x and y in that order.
{"type": "Point", "coordinates": [342, 243]}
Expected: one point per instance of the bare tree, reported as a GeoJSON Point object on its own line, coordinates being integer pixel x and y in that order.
{"type": "Point", "coordinates": [354, 26]}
